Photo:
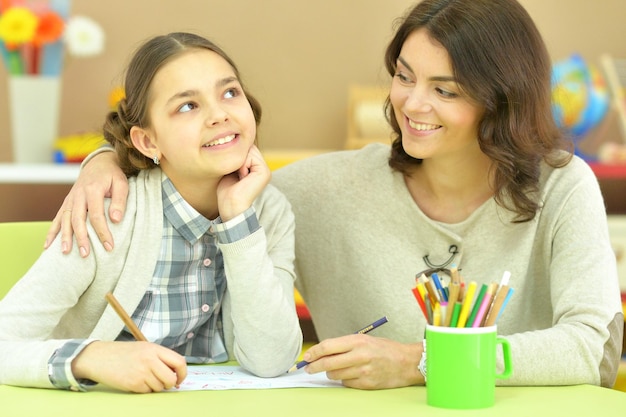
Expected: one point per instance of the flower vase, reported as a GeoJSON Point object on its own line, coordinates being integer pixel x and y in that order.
{"type": "Point", "coordinates": [34, 103]}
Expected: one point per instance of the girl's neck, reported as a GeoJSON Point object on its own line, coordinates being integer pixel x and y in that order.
{"type": "Point", "coordinates": [201, 194]}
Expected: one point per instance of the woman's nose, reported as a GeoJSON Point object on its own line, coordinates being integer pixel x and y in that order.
{"type": "Point", "coordinates": [417, 100]}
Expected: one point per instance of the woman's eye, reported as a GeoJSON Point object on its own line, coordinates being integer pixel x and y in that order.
{"type": "Point", "coordinates": [446, 93]}
{"type": "Point", "coordinates": [403, 78]}
{"type": "Point", "coordinates": [186, 107]}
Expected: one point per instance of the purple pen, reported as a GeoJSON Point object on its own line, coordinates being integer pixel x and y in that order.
{"type": "Point", "coordinates": [364, 330]}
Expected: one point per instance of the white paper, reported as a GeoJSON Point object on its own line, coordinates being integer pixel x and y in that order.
{"type": "Point", "coordinates": [234, 377]}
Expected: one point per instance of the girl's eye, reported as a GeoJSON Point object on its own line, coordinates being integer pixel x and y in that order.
{"type": "Point", "coordinates": [231, 93]}
{"type": "Point", "coordinates": [187, 107]}
{"type": "Point", "coordinates": [446, 93]}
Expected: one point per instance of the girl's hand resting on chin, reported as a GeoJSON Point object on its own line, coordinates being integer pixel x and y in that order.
{"type": "Point", "coordinates": [237, 191]}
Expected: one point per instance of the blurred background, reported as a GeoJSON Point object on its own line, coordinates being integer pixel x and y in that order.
{"type": "Point", "coordinates": [298, 57]}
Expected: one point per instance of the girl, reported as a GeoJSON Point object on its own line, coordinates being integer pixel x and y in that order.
{"type": "Point", "coordinates": [204, 256]}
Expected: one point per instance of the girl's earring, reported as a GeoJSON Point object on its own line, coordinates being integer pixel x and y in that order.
{"type": "Point", "coordinates": [156, 160]}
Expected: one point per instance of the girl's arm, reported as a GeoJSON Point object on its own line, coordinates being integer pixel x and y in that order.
{"type": "Point", "coordinates": [259, 312]}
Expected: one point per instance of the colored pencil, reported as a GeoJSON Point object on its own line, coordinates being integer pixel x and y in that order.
{"type": "Point", "coordinates": [509, 293]}
{"type": "Point", "coordinates": [439, 287]}
{"type": "Point", "coordinates": [467, 304]}
{"type": "Point", "coordinates": [476, 306]}
{"type": "Point", "coordinates": [421, 288]}
{"type": "Point", "coordinates": [437, 315]}
{"type": "Point", "coordinates": [454, 272]}
{"type": "Point", "coordinates": [452, 299]}
{"type": "Point", "coordinates": [498, 300]}
{"type": "Point", "coordinates": [456, 310]}
{"type": "Point", "coordinates": [484, 306]}
{"type": "Point", "coordinates": [420, 302]}
{"type": "Point", "coordinates": [431, 290]}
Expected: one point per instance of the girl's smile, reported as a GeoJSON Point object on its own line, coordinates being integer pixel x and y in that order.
{"type": "Point", "coordinates": [221, 141]}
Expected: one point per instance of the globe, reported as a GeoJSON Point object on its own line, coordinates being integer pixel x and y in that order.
{"type": "Point", "coordinates": [580, 97]}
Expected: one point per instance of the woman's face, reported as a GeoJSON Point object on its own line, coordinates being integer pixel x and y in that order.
{"type": "Point", "coordinates": [436, 119]}
{"type": "Point", "coordinates": [201, 120]}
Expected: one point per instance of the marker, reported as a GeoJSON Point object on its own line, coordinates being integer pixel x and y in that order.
{"type": "Point", "coordinates": [364, 330]}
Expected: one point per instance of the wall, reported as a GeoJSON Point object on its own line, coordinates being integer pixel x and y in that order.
{"type": "Point", "coordinates": [297, 56]}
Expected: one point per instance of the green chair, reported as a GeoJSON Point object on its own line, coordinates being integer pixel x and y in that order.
{"type": "Point", "coordinates": [21, 243]}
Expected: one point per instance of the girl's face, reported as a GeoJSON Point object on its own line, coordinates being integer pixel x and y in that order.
{"type": "Point", "coordinates": [201, 121]}
{"type": "Point", "coordinates": [435, 118]}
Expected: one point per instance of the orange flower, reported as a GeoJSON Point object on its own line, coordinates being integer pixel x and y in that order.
{"type": "Point", "coordinates": [49, 29]}
{"type": "Point", "coordinates": [115, 96]}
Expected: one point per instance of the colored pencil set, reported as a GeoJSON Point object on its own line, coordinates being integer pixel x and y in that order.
{"type": "Point", "coordinates": [458, 305]}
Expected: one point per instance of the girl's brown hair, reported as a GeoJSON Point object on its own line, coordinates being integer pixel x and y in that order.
{"type": "Point", "coordinates": [133, 109]}
{"type": "Point", "coordinates": [500, 61]}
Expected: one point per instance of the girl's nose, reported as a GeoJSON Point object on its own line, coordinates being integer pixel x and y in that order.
{"type": "Point", "coordinates": [216, 114]}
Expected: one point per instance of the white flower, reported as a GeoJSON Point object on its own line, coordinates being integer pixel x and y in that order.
{"type": "Point", "coordinates": [83, 36]}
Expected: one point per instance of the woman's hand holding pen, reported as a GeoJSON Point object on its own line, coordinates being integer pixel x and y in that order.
{"type": "Point", "coordinates": [237, 191]}
{"type": "Point", "coordinates": [366, 362]}
{"type": "Point", "coordinates": [131, 366]}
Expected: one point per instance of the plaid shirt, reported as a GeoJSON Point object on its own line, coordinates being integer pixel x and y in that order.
{"type": "Point", "coordinates": [181, 308]}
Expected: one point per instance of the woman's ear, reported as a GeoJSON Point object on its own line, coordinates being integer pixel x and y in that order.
{"type": "Point", "coordinates": [142, 140]}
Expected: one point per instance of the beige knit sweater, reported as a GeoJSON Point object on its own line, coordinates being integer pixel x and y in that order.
{"type": "Point", "coordinates": [360, 240]}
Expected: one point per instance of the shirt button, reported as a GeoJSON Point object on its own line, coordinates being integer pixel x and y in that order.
{"type": "Point", "coordinates": [205, 308]}
{"type": "Point", "coordinates": [189, 335]}
{"type": "Point", "coordinates": [206, 262]}
{"type": "Point", "coordinates": [211, 230]}
{"type": "Point", "coordinates": [206, 239]}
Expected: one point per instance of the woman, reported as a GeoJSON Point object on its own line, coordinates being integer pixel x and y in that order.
{"type": "Point", "coordinates": [476, 177]}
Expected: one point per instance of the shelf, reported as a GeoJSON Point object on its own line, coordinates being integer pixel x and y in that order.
{"type": "Point", "coordinates": [608, 171]}
{"type": "Point", "coordinates": [38, 173]}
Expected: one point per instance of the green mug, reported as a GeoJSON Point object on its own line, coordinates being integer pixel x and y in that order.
{"type": "Point", "coordinates": [461, 366]}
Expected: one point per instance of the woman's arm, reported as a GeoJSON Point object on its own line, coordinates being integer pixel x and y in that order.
{"type": "Point", "coordinates": [100, 177]}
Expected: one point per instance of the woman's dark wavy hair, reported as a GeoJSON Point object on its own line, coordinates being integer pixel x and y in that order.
{"type": "Point", "coordinates": [501, 62]}
{"type": "Point", "coordinates": [133, 109]}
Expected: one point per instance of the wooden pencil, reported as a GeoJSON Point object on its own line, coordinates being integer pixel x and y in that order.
{"type": "Point", "coordinates": [496, 305]}
{"type": "Point", "coordinates": [453, 297]}
{"type": "Point", "coordinates": [431, 290]}
{"type": "Point", "coordinates": [125, 317]}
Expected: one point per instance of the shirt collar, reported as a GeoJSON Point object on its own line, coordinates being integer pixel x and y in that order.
{"type": "Point", "coordinates": [185, 219]}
